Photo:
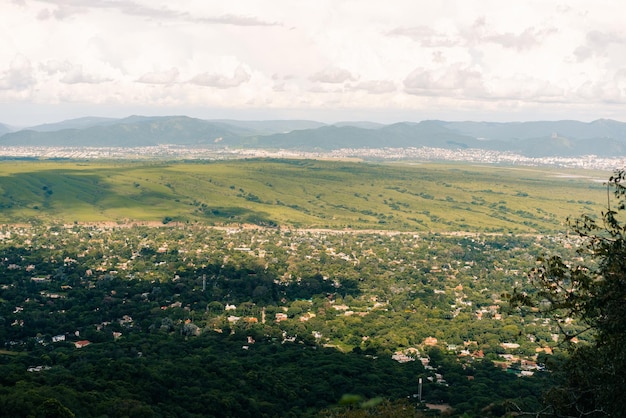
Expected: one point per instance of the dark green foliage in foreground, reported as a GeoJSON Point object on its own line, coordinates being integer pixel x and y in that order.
{"type": "Point", "coordinates": [592, 379]}
{"type": "Point", "coordinates": [157, 375]}
{"type": "Point", "coordinates": [211, 375]}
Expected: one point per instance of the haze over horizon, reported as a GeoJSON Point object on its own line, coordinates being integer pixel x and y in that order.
{"type": "Point", "coordinates": [331, 61]}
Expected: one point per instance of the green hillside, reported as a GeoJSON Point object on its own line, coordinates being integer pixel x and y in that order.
{"type": "Point", "coordinates": [300, 193]}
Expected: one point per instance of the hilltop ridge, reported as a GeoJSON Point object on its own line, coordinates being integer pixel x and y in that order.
{"type": "Point", "coordinates": [565, 138]}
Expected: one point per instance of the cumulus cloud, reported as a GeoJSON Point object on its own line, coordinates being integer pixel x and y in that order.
{"type": "Point", "coordinates": [527, 89]}
{"type": "Point", "coordinates": [425, 36]}
{"type": "Point", "coordinates": [222, 81]}
{"type": "Point", "coordinates": [332, 75]}
{"type": "Point", "coordinates": [455, 80]}
{"type": "Point", "coordinates": [596, 44]}
{"type": "Point", "coordinates": [163, 77]}
{"type": "Point", "coordinates": [583, 53]}
{"type": "Point", "coordinates": [479, 32]}
{"type": "Point", "coordinates": [65, 8]}
{"type": "Point", "coordinates": [375, 86]}
{"type": "Point", "coordinates": [54, 67]}
{"type": "Point", "coordinates": [236, 20]}
{"type": "Point", "coordinates": [77, 75]}
{"type": "Point", "coordinates": [480, 55]}
{"type": "Point", "coordinates": [44, 14]}
{"type": "Point", "coordinates": [527, 39]}
{"type": "Point", "coordinates": [19, 75]}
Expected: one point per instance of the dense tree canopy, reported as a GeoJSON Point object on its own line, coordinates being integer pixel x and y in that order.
{"type": "Point", "coordinates": [185, 320]}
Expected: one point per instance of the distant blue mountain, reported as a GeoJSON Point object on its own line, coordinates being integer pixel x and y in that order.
{"type": "Point", "coordinates": [534, 139]}
{"type": "Point", "coordinates": [4, 129]}
{"type": "Point", "coordinates": [80, 123]}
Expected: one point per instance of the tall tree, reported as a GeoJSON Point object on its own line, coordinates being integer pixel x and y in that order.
{"type": "Point", "coordinates": [593, 291]}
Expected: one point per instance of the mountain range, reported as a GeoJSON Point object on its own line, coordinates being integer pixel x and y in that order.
{"type": "Point", "coordinates": [565, 138]}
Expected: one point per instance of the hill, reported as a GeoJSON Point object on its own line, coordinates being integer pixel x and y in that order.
{"type": "Point", "coordinates": [4, 129]}
{"type": "Point", "coordinates": [299, 193]}
{"type": "Point", "coordinates": [565, 138]}
{"type": "Point", "coordinates": [79, 123]}
{"type": "Point", "coordinates": [134, 131]}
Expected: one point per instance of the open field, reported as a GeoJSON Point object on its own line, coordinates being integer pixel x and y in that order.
{"type": "Point", "coordinates": [301, 193]}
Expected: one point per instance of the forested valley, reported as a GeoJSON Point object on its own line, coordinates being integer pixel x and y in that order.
{"type": "Point", "coordinates": [196, 319]}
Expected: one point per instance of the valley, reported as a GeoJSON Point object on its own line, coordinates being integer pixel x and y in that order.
{"type": "Point", "coordinates": [358, 277]}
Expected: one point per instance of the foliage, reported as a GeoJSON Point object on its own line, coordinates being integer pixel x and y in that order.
{"type": "Point", "coordinates": [592, 290]}
{"type": "Point", "coordinates": [372, 408]}
{"type": "Point", "coordinates": [52, 408]}
{"type": "Point", "coordinates": [182, 319]}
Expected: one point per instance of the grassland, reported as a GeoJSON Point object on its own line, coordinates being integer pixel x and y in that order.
{"type": "Point", "coordinates": [301, 193]}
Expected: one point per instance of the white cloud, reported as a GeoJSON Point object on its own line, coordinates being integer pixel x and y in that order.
{"type": "Point", "coordinates": [18, 76]}
{"type": "Point", "coordinates": [375, 86]}
{"type": "Point", "coordinates": [160, 77]}
{"type": "Point", "coordinates": [333, 75]}
{"type": "Point", "coordinates": [222, 81]}
{"type": "Point", "coordinates": [479, 32]}
{"type": "Point", "coordinates": [426, 36]}
{"type": "Point", "coordinates": [597, 43]}
{"type": "Point", "coordinates": [78, 75]}
{"type": "Point", "coordinates": [409, 56]}
{"type": "Point", "coordinates": [454, 80]}
{"type": "Point", "coordinates": [528, 38]}
{"type": "Point", "coordinates": [63, 9]}
{"type": "Point", "coordinates": [52, 67]}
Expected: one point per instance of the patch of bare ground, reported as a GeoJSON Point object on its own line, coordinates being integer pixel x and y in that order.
{"type": "Point", "coordinates": [439, 407]}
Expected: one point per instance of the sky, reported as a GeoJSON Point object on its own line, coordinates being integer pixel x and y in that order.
{"type": "Point", "coordinates": [326, 60]}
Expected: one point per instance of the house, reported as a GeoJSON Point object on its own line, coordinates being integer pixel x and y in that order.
{"type": "Point", "coordinates": [38, 369]}
{"type": "Point", "coordinates": [546, 350]}
{"type": "Point", "coordinates": [126, 320]}
{"type": "Point", "coordinates": [57, 338]}
{"type": "Point", "coordinates": [430, 341]}
{"type": "Point", "coordinates": [307, 316]}
{"type": "Point", "coordinates": [82, 343]}
{"type": "Point", "coordinates": [509, 346]}
{"type": "Point", "coordinates": [405, 356]}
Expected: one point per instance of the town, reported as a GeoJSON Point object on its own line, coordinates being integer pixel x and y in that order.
{"type": "Point", "coordinates": [368, 154]}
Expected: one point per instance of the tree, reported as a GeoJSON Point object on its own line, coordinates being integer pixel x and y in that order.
{"type": "Point", "coordinates": [52, 408]}
{"type": "Point", "coordinates": [593, 377]}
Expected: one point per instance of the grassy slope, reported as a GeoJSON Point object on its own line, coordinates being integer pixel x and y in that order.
{"type": "Point", "coordinates": [303, 193]}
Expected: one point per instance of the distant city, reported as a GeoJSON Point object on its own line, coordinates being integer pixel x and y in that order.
{"type": "Point", "coordinates": [600, 144]}
{"type": "Point", "coordinates": [481, 156]}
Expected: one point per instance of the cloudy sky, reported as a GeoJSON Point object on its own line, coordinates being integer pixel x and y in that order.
{"type": "Point", "coordinates": [327, 60]}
